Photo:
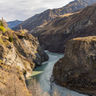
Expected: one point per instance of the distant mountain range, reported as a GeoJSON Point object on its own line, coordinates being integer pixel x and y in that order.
{"type": "Point", "coordinates": [12, 24]}
{"type": "Point", "coordinates": [57, 32]}
{"type": "Point", "coordinates": [48, 15]}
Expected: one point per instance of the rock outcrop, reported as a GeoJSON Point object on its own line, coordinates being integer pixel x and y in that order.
{"type": "Point", "coordinates": [12, 82]}
{"type": "Point", "coordinates": [24, 51]}
{"type": "Point", "coordinates": [56, 33]}
{"type": "Point", "coordinates": [77, 69]}
{"type": "Point", "coordinates": [48, 15]}
{"type": "Point", "coordinates": [20, 53]}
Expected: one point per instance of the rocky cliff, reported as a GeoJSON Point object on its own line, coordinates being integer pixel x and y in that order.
{"type": "Point", "coordinates": [55, 34]}
{"type": "Point", "coordinates": [77, 69]}
{"type": "Point", "coordinates": [48, 15]}
{"type": "Point", "coordinates": [20, 53]}
{"type": "Point", "coordinates": [12, 82]}
{"type": "Point", "coordinates": [24, 51]}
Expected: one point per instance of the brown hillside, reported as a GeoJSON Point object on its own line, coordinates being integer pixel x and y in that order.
{"type": "Point", "coordinates": [50, 14]}
{"type": "Point", "coordinates": [54, 35]}
{"type": "Point", "coordinates": [77, 69]}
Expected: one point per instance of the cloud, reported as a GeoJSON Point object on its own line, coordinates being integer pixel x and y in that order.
{"type": "Point", "coordinates": [23, 9]}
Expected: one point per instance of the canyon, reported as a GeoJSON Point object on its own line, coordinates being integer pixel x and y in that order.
{"type": "Point", "coordinates": [70, 30]}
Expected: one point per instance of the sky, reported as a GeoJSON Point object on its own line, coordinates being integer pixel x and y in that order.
{"type": "Point", "coordinates": [23, 9]}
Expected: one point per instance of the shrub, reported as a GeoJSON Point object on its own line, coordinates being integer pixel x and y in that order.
{"type": "Point", "coordinates": [24, 72]}
{"type": "Point", "coordinates": [11, 39]}
{"type": "Point", "coordinates": [2, 29]}
{"type": "Point", "coordinates": [1, 41]}
{"type": "Point", "coordinates": [1, 23]}
{"type": "Point", "coordinates": [1, 61]}
{"type": "Point", "coordinates": [9, 30]}
{"type": "Point", "coordinates": [23, 31]}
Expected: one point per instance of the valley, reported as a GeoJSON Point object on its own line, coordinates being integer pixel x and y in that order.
{"type": "Point", "coordinates": [50, 54]}
{"type": "Point", "coordinates": [44, 78]}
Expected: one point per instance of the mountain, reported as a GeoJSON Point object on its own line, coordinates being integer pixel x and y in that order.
{"type": "Point", "coordinates": [46, 16]}
{"type": "Point", "coordinates": [55, 34]}
{"type": "Point", "coordinates": [12, 24]}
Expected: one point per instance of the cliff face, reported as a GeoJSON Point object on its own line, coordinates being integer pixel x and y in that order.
{"type": "Point", "coordinates": [48, 15]}
{"type": "Point", "coordinates": [12, 82]}
{"type": "Point", "coordinates": [56, 33]}
{"type": "Point", "coordinates": [23, 52]}
{"type": "Point", "coordinates": [77, 69]}
{"type": "Point", "coordinates": [20, 53]}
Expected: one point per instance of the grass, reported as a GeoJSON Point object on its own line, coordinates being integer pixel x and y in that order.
{"type": "Point", "coordinates": [0, 61]}
{"type": "Point", "coordinates": [1, 23]}
{"type": "Point", "coordinates": [23, 31]}
{"type": "Point", "coordinates": [1, 41]}
{"type": "Point", "coordinates": [2, 29]}
{"type": "Point", "coordinates": [10, 38]}
{"type": "Point", "coordinates": [34, 73]}
{"type": "Point", "coordinates": [6, 42]}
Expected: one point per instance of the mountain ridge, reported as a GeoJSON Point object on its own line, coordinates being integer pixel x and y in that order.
{"type": "Point", "coordinates": [61, 29]}
{"type": "Point", "coordinates": [77, 69]}
{"type": "Point", "coordinates": [50, 14]}
{"type": "Point", "coordinates": [14, 23]}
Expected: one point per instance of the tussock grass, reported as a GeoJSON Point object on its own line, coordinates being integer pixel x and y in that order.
{"type": "Point", "coordinates": [2, 29]}
{"type": "Point", "coordinates": [34, 73]}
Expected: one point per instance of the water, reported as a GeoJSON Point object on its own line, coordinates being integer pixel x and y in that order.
{"type": "Point", "coordinates": [44, 78]}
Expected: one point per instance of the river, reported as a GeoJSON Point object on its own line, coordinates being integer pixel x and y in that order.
{"type": "Point", "coordinates": [44, 78]}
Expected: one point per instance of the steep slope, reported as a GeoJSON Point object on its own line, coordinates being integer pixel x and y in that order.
{"type": "Point", "coordinates": [22, 50]}
{"type": "Point", "coordinates": [12, 82]}
{"type": "Point", "coordinates": [48, 15]}
{"type": "Point", "coordinates": [77, 69]}
{"type": "Point", "coordinates": [20, 53]}
{"type": "Point", "coordinates": [54, 35]}
{"type": "Point", "coordinates": [12, 24]}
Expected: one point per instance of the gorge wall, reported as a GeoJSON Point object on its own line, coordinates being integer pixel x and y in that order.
{"type": "Point", "coordinates": [24, 51]}
{"type": "Point", "coordinates": [77, 69]}
{"type": "Point", "coordinates": [20, 53]}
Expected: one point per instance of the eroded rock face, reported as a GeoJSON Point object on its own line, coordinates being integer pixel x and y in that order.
{"type": "Point", "coordinates": [24, 52]}
{"type": "Point", "coordinates": [77, 69]}
{"type": "Point", "coordinates": [28, 46]}
{"type": "Point", "coordinates": [12, 82]}
{"type": "Point", "coordinates": [20, 53]}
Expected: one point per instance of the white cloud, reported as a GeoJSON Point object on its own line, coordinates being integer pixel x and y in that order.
{"type": "Point", "coordinates": [23, 9]}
